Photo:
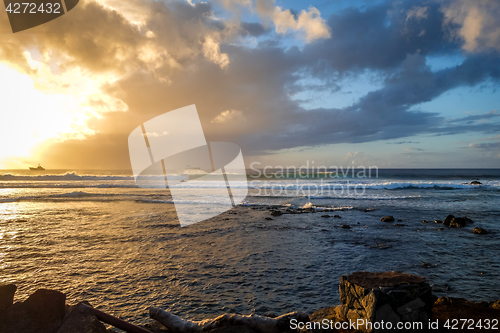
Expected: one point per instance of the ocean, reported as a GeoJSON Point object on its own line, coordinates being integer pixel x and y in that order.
{"type": "Point", "coordinates": [96, 236]}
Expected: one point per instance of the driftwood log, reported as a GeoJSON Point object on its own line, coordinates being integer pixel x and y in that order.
{"type": "Point", "coordinates": [257, 323]}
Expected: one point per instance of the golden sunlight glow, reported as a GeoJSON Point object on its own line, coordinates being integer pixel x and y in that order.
{"type": "Point", "coordinates": [28, 116]}
{"type": "Point", "coordinates": [50, 105]}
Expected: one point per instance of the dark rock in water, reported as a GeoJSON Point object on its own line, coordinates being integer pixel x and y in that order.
{"type": "Point", "coordinates": [346, 226]}
{"type": "Point", "coordinates": [389, 296]}
{"type": "Point", "coordinates": [424, 221]}
{"type": "Point", "coordinates": [325, 215]}
{"type": "Point", "coordinates": [80, 320]}
{"type": "Point", "coordinates": [475, 182]}
{"type": "Point", "coordinates": [399, 224]}
{"type": "Point", "coordinates": [479, 231]}
{"type": "Point", "coordinates": [276, 213]}
{"type": "Point", "coordinates": [269, 218]}
{"type": "Point", "coordinates": [337, 216]}
{"type": "Point", "coordinates": [448, 220]}
{"type": "Point", "coordinates": [438, 229]}
{"type": "Point", "coordinates": [468, 220]}
{"type": "Point", "coordinates": [458, 222]}
{"type": "Point", "coordinates": [426, 265]}
{"type": "Point", "coordinates": [449, 308]}
{"type": "Point", "coordinates": [7, 292]}
{"type": "Point", "coordinates": [438, 221]}
{"type": "Point", "coordinates": [42, 312]}
{"type": "Point", "coordinates": [388, 218]}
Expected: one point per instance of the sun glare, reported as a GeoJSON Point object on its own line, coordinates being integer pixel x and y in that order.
{"type": "Point", "coordinates": [29, 117]}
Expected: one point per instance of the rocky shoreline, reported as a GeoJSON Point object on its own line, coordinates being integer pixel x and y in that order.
{"type": "Point", "coordinates": [375, 297]}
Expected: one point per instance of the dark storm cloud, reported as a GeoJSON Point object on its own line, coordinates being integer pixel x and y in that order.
{"type": "Point", "coordinates": [380, 37]}
{"type": "Point", "coordinates": [473, 118]}
{"type": "Point", "coordinates": [254, 29]}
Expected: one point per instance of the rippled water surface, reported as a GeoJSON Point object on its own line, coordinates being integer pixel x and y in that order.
{"type": "Point", "coordinates": [122, 254]}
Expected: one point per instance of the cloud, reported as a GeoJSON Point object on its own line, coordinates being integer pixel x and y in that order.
{"type": "Point", "coordinates": [172, 56]}
{"type": "Point", "coordinates": [309, 22]}
{"type": "Point", "coordinates": [417, 12]}
{"type": "Point", "coordinates": [485, 145]}
{"type": "Point", "coordinates": [477, 23]}
{"type": "Point", "coordinates": [414, 149]}
{"type": "Point", "coordinates": [211, 51]}
{"type": "Point", "coordinates": [229, 116]}
{"type": "Point", "coordinates": [402, 142]}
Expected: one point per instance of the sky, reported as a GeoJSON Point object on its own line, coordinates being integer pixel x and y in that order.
{"type": "Point", "coordinates": [393, 84]}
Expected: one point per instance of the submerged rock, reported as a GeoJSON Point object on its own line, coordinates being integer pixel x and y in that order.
{"type": "Point", "coordinates": [458, 222]}
{"type": "Point", "coordinates": [388, 218]}
{"type": "Point", "coordinates": [346, 226]}
{"type": "Point", "coordinates": [479, 231]}
{"type": "Point", "coordinates": [448, 220]}
{"type": "Point", "coordinates": [276, 213]}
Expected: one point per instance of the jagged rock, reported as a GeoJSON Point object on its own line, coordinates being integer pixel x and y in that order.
{"type": "Point", "coordinates": [80, 320]}
{"type": "Point", "coordinates": [388, 296]}
{"type": "Point", "coordinates": [475, 182]}
{"type": "Point", "coordinates": [448, 220]}
{"type": "Point", "coordinates": [42, 312]}
{"type": "Point", "coordinates": [496, 305]}
{"type": "Point", "coordinates": [458, 222]}
{"type": "Point", "coordinates": [480, 231]}
{"type": "Point", "coordinates": [449, 308]}
{"type": "Point", "coordinates": [7, 292]}
{"type": "Point", "coordinates": [276, 213]}
{"type": "Point", "coordinates": [388, 218]}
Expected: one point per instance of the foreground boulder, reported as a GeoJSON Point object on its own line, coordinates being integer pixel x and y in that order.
{"type": "Point", "coordinates": [391, 297]}
{"type": "Point", "coordinates": [80, 320]}
{"type": "Point", "coordinates": [42, 312]}
{"type": "Point", "coordinates": [7, 292]}
{"type": "Point", "coordinates": [446, 309]}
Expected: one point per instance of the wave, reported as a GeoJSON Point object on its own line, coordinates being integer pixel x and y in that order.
{"type": "Point", "coordinates": [67, 176]}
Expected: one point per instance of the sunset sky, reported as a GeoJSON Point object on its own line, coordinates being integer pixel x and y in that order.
{"type": "Point", "coordinates": [396, 84]}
